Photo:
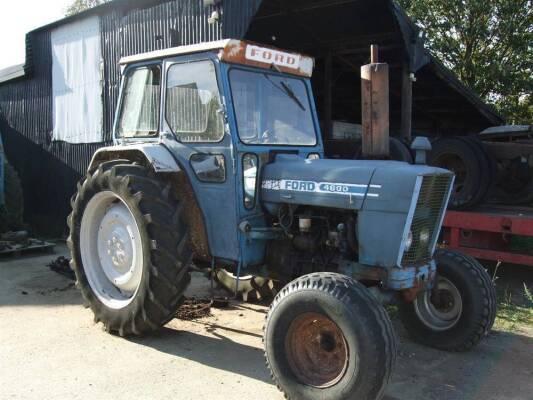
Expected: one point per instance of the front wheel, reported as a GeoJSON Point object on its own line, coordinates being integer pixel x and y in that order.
{"type": "Point", "coordinates": [326, 337]}
{"type": "Point", "coordinates": [460, 309]}
{"type": "Point", "coordinates": [129, 247]}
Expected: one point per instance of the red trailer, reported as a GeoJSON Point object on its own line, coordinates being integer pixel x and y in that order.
{"type": "Point", "coordinates": [489, 233]}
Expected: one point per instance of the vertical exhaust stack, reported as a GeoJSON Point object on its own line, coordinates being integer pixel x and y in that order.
{"type": "Point", "coordinates": [375, 107]}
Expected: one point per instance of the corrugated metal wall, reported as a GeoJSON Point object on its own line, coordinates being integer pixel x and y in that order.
{"type": "Point", "coordinates": [50, 170]}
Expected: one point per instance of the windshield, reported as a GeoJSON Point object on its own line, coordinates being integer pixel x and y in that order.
{"type": "Point", "coordinates": [272, 109]}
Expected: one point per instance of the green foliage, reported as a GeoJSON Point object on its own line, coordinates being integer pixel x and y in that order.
{"type": "Point", "coordinates": [78, 6]}
{"type": "Point", "coordinates": [488, 44]}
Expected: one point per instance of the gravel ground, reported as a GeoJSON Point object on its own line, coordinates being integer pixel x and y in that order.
{"type": "Point", "coordinates": [51, 349]}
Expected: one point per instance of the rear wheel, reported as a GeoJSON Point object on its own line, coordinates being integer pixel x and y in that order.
{"type": "Point", "coordinates": [129, 248]}
{"type": "Point", "coordinates": [487, 170]}
{"type": "Point", "coordinates": [459, 311]}
{"type": "Point", "coordinates": [461, 158]}
{"type": "Point", "coordinates": [326, 337]}
{"type": "Point", "coordinates": [399, 151]}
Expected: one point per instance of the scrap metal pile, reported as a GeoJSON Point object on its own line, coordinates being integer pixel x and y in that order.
{"type": "Point", "coordinates": [18, 242]}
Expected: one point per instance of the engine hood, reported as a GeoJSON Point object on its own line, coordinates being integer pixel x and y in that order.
{"type": "Point", "coordinates": [344, 184]}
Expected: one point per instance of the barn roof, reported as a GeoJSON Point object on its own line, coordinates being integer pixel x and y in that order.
{"type": "Point", "coordinates": [343, 29]}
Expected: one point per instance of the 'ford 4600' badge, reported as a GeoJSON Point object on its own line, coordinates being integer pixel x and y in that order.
{"type": "Point", "coordinates": [348, 189]}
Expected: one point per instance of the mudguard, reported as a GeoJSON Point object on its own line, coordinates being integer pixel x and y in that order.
{"type": "Point", "coordinates": [157, 155]}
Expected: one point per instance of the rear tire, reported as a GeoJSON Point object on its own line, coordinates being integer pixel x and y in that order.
{"type": "Point", "coordinates": [464, 310]}
{"type": "Point", "coordinates": [326, 337]}
{"type": "Point", "coordinates": [399, 151]}
{"type": "Point", "coordinates": [460, 157]}
{"type": "Point", "coordinates": [487, 171]}
{"type": "Point", "coordinates": [129, 248]}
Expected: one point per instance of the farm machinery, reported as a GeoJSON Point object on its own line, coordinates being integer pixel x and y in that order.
{"type": "Point", "coordinates": [218, 161]}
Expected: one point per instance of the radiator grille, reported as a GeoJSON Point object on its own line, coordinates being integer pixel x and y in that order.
{"type": "Point", "coordinates": [427, 218]}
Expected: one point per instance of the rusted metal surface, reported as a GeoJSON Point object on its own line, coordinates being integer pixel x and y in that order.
{"type": "Point", "coordinates": [261, 56]}
{"type": "Point", "coordinates": [193, 217]}
{"type": "Point", "coordinates": [316, 350]}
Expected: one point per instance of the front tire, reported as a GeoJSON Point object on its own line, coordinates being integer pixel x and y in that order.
{"type": "Point", "coordinates": [129, 248]}
{"type": "Point", "coordinates": [459, 311]}
{"type": "Point", "coordinates": [326, 337]}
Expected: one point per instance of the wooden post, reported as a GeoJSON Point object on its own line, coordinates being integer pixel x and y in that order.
{"type": "Point", "coordinates": [407, 104]}
{"type": "Point", "coordinates": [375, 107]}
{"type": "Point", "coordinates": [328, 96]}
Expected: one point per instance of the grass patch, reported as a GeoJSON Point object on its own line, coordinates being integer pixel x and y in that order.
{"type": "Point", "coordinates": [512, 316]}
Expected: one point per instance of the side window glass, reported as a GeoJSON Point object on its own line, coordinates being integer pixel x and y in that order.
{"type": "Point", "coordinates": [193, 102]}
{"type": "Point", "coordinates": [139, 114]}
{"type": "Point", "coordinates": [249, 170]}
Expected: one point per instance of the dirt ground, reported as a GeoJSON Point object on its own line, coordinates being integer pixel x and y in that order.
{"type": "Point", "coordinates": [51, 349]}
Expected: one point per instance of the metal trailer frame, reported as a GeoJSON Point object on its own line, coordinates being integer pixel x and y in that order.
{"type": "Point", "coordinates": [485, 233]}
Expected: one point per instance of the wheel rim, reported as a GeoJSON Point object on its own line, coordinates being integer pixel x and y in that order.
{"type": "Point", "coordinates": [111, 250]}
{"type": "Point", "coordinates": [441, 308]}
{"type": "Point", "coordinates": [316, 350]}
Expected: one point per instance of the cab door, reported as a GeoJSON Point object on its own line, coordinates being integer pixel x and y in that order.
{"type": "Point", "coordinates": [195, 132]}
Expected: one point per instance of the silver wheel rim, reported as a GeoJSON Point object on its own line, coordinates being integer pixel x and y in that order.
{"type": "Point", "coordinates": [111, 250]}
{"type": "Point", "coordinates": [445, 314]}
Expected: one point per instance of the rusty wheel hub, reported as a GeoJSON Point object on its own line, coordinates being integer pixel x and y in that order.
{"type": "Point", "coordinates": [316, 350]}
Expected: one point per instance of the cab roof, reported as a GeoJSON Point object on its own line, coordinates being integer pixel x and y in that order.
{"type": "Point", "coordinates": [237, 52]}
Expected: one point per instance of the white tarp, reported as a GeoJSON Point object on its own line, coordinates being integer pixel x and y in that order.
{"type": "Point", "coordinates": [77, 82]}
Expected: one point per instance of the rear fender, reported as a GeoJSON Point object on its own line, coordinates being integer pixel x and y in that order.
{"type": "Point", "coordinates": [159, 159]}
{"type": "Point", "coordinates": [151, 155]}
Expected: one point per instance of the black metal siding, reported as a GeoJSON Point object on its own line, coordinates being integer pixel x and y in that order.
{"type": "Point", "coordinates": [49, 169]}
{"type": "Point", "coordinates": [169, 24]}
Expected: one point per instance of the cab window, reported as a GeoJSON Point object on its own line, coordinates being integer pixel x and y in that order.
{"type": "Point", "coordinates": [139, 115]}
{"type": "Point", "coordinates": [193, 109]}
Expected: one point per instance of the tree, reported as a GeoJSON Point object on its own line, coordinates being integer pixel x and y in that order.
{"type": "Point", "coordinates": [78, 6]}
{"type": "Point", "coordinates": [488, 44]}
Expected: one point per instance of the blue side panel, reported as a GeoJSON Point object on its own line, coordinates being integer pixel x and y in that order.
{"type": "Point", "coordinates": [340, 184]}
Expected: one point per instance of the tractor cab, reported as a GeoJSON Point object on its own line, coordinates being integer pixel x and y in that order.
{"type": "Point", "coordinates": [224, 110]}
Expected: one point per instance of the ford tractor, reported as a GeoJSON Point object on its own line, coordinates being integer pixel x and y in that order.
{"type": "Point", "coordinates": [218, 162]}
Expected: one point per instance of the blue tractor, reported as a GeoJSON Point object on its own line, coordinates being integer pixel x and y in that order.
{"type": "Point", "coordinates": [218, 160]}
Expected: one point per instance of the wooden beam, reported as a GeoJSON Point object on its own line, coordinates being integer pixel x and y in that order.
{"type": "Point", "coordinates": [375, 108]}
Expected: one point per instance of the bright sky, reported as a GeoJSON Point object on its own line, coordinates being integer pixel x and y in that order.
{"type": "Point", "coordinates": [17, 17]}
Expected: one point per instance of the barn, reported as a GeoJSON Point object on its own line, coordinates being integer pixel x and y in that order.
{"type": "Point", "coordinates": [58, 107]}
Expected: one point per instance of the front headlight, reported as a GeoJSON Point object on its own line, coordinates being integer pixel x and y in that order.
{"type": "Point", "coordinates": [409, 241]}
